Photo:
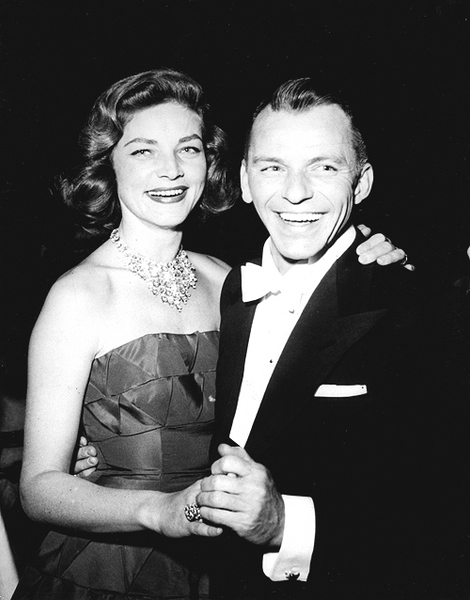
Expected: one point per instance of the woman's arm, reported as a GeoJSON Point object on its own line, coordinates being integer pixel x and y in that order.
{"type": "Point", "coordinates": [62, 347]}
{"type": "Point", "coordinates": [378, 248]}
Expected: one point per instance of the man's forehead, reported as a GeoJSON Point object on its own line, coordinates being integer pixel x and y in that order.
{"type": "Point", "coordinates": [316, 126]}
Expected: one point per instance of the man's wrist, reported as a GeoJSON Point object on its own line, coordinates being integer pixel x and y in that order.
{"type": "Point", "coordinates": [293, 558]}
{"type": "Point", "coordinates": [280, 516]}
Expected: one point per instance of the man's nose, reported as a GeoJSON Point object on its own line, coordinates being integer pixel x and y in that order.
{"type": "Point", "coordinates": [297, 188]}
{"type": "Point", "coordinates": [168, 166]}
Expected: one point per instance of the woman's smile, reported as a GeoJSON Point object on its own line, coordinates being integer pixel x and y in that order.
{"type": "Point", "coordinates": [168, 195]}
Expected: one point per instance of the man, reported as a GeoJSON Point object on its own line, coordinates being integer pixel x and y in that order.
{"type": "Point", "coordinates": [322, 375]}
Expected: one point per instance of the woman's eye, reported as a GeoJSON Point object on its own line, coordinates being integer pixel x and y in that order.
{"type": "Point", "coordinates": [140, 152]}
{"type": "Point", "coordinates": [191, 150]}
{"type": "Point", "coordinates": [270, 169]}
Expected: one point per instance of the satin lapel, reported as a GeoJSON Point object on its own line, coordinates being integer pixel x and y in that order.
{"type": "Point", "coordinates": [235, 332]}
{"type": "Point", "coordinates": [335, 317]}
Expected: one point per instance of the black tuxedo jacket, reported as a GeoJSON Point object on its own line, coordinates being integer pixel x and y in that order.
{"type": "Point", "coordinates": [365, 460]}
{"type": "Point", "coordinates": [453, 336]}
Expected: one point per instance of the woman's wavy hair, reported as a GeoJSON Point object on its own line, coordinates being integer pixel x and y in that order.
{"type": "Point", "coordinates": [92, 191]}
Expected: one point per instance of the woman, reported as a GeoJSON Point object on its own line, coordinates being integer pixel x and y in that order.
{"type": "Point", "coordinates": [125, 347]}
{"type": "Point", "coordinates": [124, 351]}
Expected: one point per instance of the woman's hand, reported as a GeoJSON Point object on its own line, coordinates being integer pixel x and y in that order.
{"type": "Point", "coordinates": [378, 248]}
{"type": "Point", "coordinates": [166, 515]}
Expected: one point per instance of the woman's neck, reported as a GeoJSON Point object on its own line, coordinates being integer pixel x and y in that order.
{"type": "Point", "coordinates": [156, 244]}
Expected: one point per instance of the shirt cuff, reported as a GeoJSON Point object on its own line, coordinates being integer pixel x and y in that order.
{"type": "Point", "coordinates": [293, 559]}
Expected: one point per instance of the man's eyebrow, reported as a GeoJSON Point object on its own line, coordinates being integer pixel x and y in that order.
{"type": "Point", "coordinates": [339, 159]}
{"type": "Point", "coordinates": [152, 142]}
{"type": "Point", "coordinates": [258, 159]}
{"type": "Point", "coordinates": [336, 158]}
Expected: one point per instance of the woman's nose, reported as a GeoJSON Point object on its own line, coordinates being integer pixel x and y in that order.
{"type": "Point", "coordinates": [169, 166]}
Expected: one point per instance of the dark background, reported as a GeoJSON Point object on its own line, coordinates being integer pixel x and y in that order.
{"type": "Point", "coordinates": [402, 65]}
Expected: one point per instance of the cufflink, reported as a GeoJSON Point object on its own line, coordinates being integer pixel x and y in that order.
{"type": "Point", "coordinates": [293, 574]}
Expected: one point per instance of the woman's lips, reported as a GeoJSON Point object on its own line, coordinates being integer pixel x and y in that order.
{"type": "Point", "coordinates": [167, 194]}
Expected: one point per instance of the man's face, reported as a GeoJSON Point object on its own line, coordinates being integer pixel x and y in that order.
{"type": "Point", "coordinates": [300, 174]}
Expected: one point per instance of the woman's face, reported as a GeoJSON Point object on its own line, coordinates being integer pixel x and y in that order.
{"type": "Point", "coordinates": [160, 164]}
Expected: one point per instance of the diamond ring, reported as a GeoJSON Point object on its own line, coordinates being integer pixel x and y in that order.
{"type": "Point", "coordinates": [193, 512]}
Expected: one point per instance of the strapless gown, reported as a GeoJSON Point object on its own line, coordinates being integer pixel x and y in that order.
{"type": "Point", "coordinates": [148, 410]}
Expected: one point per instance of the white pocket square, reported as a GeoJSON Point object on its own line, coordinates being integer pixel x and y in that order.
{"type": "Point", "coordinates": [331, 390]}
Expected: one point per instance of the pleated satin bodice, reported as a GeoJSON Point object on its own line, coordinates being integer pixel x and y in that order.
{"type": "Point", "coordinates": [149, 409]}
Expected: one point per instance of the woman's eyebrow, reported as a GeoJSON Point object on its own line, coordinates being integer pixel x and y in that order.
{"type": "Point", "coordinates": [152, 142]}
{"type": "Point", "coordinates": [141, 141]}
{"type": "Point", "coordinates": [189, 138]}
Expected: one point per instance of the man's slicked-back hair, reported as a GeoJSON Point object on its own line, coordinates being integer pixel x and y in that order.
{"type": "Point", "coordinates": [299, 95]}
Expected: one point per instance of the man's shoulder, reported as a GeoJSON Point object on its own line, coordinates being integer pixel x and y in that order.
{"type": "Point", "coordinates": [379, 286]}
{"type": "Point", "coordinates": [394, 281]}
{"type": "Point", "coordinates": [232, 283]}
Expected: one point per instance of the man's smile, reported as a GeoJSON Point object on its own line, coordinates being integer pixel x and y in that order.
{"type": "Point", "coordinates": [306, 217]}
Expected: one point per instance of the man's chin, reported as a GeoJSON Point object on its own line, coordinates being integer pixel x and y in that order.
{"type": "Point", "coordinates": [298, 258]}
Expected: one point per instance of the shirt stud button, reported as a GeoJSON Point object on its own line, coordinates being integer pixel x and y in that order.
{"type": "Point", "coordinates": [293, 574]}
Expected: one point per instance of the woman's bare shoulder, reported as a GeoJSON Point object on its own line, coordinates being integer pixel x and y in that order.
{"type": "Point", "coordinates": [83, 289]}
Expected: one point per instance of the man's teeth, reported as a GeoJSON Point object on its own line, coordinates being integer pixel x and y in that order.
{"type": "Point", "coordinates": [166, 193]}
{"type": "Point", "coordinates": [300, 217]}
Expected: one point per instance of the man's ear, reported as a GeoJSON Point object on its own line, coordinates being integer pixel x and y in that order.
{"type": "Point", "coordinates": [246, 194]}
{"type": "Point", "coordinates": [364, 185]}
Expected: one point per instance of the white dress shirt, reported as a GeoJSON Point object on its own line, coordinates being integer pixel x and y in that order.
{"type": "Point", "coordinates": [275, 318]}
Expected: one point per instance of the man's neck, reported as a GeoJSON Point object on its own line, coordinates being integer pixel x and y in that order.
{"type": "Point", "coordinates": [336, 249]}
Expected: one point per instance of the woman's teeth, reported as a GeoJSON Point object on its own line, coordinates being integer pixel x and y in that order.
{"type": "Point", "coordinates": [166, 193]}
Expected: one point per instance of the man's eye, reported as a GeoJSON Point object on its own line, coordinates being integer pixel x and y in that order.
{"type": "Point", "coordinates": [324, 169]}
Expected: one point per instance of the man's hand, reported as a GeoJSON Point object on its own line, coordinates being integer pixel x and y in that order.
{"type": "Point", "coordinates": [240, 494]}
{"type": "Point", "coordinates": [86, 461]}
{"type": "Point", "coordinates": [379, 248]}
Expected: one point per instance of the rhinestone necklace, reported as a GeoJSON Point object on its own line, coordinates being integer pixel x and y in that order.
{"type": "Point", "coordinates": [171, 281]}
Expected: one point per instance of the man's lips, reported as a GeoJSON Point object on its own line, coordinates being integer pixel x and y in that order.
{"type": "Point", "coordinates": [306, 217]}
{"type": "Point", "coordinates": [167, 193]}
